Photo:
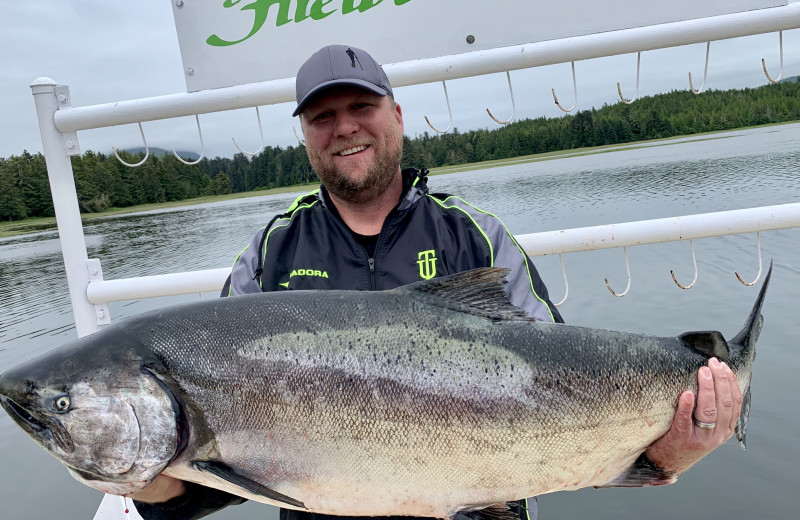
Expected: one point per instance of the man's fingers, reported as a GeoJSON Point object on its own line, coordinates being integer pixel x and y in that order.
{"type": "Point", "coordinates": [736, 394]}
{"type": "Point", "coordinates": [706, 409]}
{"type": "Point", "coordinates": [722, 396]}
{"type": "Point", "coordinates": [682, 424]}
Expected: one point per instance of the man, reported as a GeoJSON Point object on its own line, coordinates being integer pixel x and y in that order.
{"type": "Point", "coordinates": [372, 226]}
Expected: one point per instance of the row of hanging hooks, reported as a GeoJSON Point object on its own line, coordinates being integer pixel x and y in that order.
{"type": "Point", "coordinates": [202, 145]}
{"type": "Point", "coordinates": [619, 88]}
{"type": "Point", "coordinates": [671, 272]}
{"type": "Point", "coordinates": [450, 111]}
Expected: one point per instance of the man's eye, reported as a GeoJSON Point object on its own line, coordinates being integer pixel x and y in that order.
{"type": "Point", "coordinates": [322, 117]}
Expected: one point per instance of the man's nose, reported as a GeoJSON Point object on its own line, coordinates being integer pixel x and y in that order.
{"type": "Point", "coordinates": [346, 124]}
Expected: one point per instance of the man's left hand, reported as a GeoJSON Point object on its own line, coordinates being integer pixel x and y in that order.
{"type": "Point", "coordinates": [698, 430]}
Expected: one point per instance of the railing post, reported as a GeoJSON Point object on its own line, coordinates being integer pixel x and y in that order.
{"type": "Point", "coordinates": [58, 147]}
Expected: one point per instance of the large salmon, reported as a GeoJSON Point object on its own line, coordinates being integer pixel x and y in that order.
{"type": "Point", "coordinates": [427, 400]}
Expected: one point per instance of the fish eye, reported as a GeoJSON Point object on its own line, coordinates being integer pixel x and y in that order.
{"type": "Point", "coordinates": [61, 403]}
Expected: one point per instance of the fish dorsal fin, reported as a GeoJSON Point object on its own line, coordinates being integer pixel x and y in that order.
{"type": "Point", "coordinates": [225, 472]}
{"type": "Point", "coordinates": [478, 291]}
{"type": "Point", "coordinates": [708, 343]}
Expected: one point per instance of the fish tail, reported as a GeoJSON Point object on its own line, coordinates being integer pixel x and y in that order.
{"type": "Point", "coordinates": [746, 339]}
{"type": "Point", "coordinates": [743, 345]}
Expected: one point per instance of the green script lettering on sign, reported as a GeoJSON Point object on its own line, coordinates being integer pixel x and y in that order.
{"type": "Point", "coordinates": [261, 9]}
{"type": "Point", "coordinates": [304, 9]}
{"type": "Point", "coordinates": [363, 5]}
{"type": "Point", "coordinates": [316, 12]}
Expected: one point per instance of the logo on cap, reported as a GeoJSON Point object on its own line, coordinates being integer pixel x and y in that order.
{"type": "Point", "coordinates": [353, 58]}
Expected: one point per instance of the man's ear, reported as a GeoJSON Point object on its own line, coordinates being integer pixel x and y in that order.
{"type": "Point", "coordinates": [399, 115]}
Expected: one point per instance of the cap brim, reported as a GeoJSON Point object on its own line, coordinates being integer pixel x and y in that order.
{"type": "Point", "coordinates": [366, 85]}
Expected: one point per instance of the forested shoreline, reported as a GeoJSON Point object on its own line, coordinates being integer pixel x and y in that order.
{"type": "Point", "coordinates": [103, 182]}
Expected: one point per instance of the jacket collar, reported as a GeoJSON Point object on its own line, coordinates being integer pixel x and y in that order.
{"type": "Point", "coordinates": [414, 187]}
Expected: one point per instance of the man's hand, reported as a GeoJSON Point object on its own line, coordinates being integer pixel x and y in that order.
{"type": "Point", "coordinates": [161, 489]}
{"type": "Point", "coordinates": [719, 402]}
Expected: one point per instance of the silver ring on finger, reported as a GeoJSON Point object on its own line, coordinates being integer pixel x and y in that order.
{"type": "Point", "coordinates": [705, 425]}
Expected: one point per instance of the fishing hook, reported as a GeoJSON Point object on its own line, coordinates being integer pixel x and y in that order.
{"type": "Point", "coordinates": [202, 147]}
{"type": "Point", "coordinates": [628, 270]}
{"type": "Point", "coordinates": [619, 89]}
{"type": "Point", "coordinates": [574, 89]}
{"type": "Point", "coordinates": [260, 131]}
{"type": "Point", "coordinates": [764, 63]}
{"type": "Point", "coordinates": [705, 73]}
{"type": "Point", "coordinates": [146, 149]}
{"type": "Point", "coordinates": [758, 239]}
{"type": "Point", "coordinates": [566, 284]}
{"type": "Point", "coordinates": [513, 104]}
{"type": "Point", "coordinates": [449, 111]}
{"type": "Point", "coordinates": [301, 141]}
{"type": "Point", "coordinates": [694, 262]}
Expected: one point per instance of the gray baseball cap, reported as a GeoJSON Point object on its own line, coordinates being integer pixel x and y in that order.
{"type": "Point", "coordinates": [339, 65]}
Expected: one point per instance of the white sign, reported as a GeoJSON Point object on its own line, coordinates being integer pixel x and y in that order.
{"type": "Point", "coordinates": [233, 42]}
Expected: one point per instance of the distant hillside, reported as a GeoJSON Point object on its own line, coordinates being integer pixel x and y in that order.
{"type": "Point", "coordinates": [160, 152]}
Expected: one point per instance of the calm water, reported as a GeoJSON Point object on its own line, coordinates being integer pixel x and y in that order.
{"type": "Point", "coordinates": [736, 170]}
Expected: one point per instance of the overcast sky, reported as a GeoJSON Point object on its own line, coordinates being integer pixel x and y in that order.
{"type": "Point", "coordinates": [113, 51]}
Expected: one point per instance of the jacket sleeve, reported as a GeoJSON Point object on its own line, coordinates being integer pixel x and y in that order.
{"type": "Point", "coordinates": [243, 278]}
{"type": "Point", "coordinates": [525, 288]}
{"type": "Point", "coordinates": [197, 502]}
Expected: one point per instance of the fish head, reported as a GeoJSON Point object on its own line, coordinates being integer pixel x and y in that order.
{"type": "Point", "coordinates": [113, 423]}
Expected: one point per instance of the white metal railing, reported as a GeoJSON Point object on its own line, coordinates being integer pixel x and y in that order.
{"type": "Point", "coordinates": [444, 68]}
{"type": "Point", "coordinates": [688, 227]}
{"type": "Point", "coordinates": [670, 229]}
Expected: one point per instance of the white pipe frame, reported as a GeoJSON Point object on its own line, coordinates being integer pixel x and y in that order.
{"type": "Point", "coordinates": [59, 121]}
{"type": "Point", "coordinates": [671, 229]}
{"type": "Point", "coordinates": [444, 68]}
{"type": "Point", "coordinates": [688, 227]}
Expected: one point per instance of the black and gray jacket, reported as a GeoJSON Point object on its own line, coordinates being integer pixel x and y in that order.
{"type": "Point", "coordinates": [425, 236]}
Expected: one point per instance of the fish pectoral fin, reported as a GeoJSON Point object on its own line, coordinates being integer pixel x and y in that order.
{"type": "Point", "coordinates": [709, 343]}
{"type": "Point", "coordinates": [643, 473]}
{"type": "Point", "coordinates": [225, 472]}
{"type": "Point", "coordinates": [501, 511]}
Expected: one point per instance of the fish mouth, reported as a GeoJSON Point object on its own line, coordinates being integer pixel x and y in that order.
{"type": "Point", "coordinates": [22, 417]}
{"type": "Point", "coordinates": [44, 432]}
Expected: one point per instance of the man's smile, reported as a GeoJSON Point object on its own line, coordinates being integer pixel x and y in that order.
{"type": "Point", "coordinates": [351, 151]}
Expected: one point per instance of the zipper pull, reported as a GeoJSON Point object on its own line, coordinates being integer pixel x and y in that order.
{"type": "Point", "coordinates": [371, 265]}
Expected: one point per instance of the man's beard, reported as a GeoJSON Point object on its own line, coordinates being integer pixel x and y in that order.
{"type": "Point", "coordinates": [379, 174]}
